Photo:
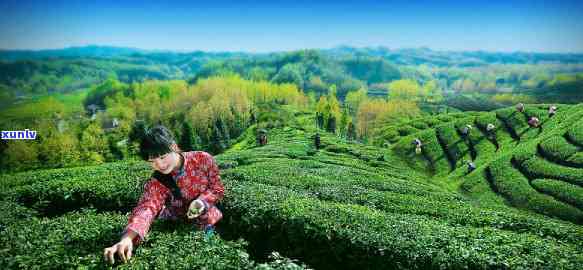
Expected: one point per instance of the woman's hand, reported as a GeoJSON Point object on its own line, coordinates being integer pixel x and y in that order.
{"type": "Point", "coordinates": [195, 209]}
{"type": "Point", "coordinates": [123, 248]}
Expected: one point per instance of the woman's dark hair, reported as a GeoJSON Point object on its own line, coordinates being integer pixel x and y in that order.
{"type": "Point", "coordinates": [156, 141]}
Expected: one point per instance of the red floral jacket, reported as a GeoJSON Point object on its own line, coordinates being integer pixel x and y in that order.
{"type": "Point", "coordinates": [198, 179]}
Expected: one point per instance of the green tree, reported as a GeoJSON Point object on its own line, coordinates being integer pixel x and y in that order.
{"type": "Point", "coordinates": [404, 89]}
{"type": "Point", "coordinates": [59, 150]}
{"type": "Point", "coordinates": [220, 138]}
{"type": "Point", "coordinates": [344, 122]}
{"type": "Point", "coordinates": [20, 155]}
{"type": "Point", "coordinates": [94, 144]}
{"type": "Point", "coordinates": [321, 108]}
{"type": "Point", "coordinates": [332, 108]}
{"type": "Point", "coordinates": [98, 93]}
{"type": "Point", "coordinates": [353, 100]}
{"type": "Point", "coordinates": [431, 92]}
{"type": "Point", "coordinates": [331, 124]}
{"type": "Point", "coordinates": [319, 120]}
{"type": "Point", "coordinates": [258, 74]}
{"type": "Point", "coordinates": [316, 84]}
{"type": "Point", "coordinates": [350, 131]}
{"type": "Point", "coordinates": [290, 73]}
{"type": "Point", "coordinates": [189, 140]}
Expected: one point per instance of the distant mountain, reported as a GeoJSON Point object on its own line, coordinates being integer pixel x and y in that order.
{"type": "Point", "coordinates": [424, 55]}
{"type": "Point", "coordinates": [405, 56]}
{"type": "Point", "coordinates": [95, 51]}
{"type": "Point", "coordinates": [71, 52]}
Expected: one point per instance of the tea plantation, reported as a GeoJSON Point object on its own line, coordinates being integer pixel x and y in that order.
{"type": "Point", "coordinates": [344, 206]}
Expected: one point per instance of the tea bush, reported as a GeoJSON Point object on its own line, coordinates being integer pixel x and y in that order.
{"type": "Point", "coordinates": [330, 235]}
{"type": "Point", "coordinates": [575, 134]}
{"type": "Point", "coordinates": [77, 240]}
{"type": "Point", "coordinates": [565, 192]}
{"type": "Point", "coordinates": [515, 187]}
{"type": "Point", "coordinates": [557, 149]}
{"type": "Point", "coordinates": [536, 167]}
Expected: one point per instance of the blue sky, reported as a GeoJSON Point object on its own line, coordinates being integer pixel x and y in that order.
{"type": "Point", "coordinates": [263, 26]}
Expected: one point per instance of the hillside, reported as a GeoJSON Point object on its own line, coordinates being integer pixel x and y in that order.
{"type": "Point", "coordinates": [537, 77]}
{"type": "Point", "coordinates": [538, 169]}
{"type": "Point", "coordinates": [345, 205]}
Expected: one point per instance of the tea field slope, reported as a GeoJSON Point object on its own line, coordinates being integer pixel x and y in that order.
{"type": "Point", "coordinates": [355, 206]}
{"type": "Point", "coordinates": [343, 206]}
{"type": "Point", "coordinates": [64, 218]}
{"type": "Point", "coordinates": [539, 169]}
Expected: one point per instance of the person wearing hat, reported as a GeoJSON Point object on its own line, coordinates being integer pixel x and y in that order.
{"type": "Point", "coordinates": [552, 111]}
{"type": "Point", "coordinates": [417, 143]}
{"type": "Point", "coordinates": [491, 131]}
{"type": "Point", "coordinates": [471, 166]}
{"type": "Point", "coordinates": [262, 137]}
{"type": "Point", "coordinates": [184, 186]}
{"type": "Point", "coordinates": [490, 127]}
{"type": "Point", "coordinates": [520, 107]}
{"type": "Point", "coordinates": [465, 131]}
{"type": "Point", "coordinates": [317, 140]}
{"type": "Point", "coordinates": [533, 122]}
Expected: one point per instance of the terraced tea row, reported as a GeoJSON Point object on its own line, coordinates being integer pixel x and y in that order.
{"type": "Point", "coordinates": [393, 196]}
{"type": "Point", "coordinates": [329, 234]}
{"type": "Point", "coordinates": [345, 205]}
{"type": "Point", "coordinates": [549, 151]}
{"type": "Point", "coordinates": [560, 150]}
{"type": "Point", "coordinates": [510, 183]}
{"type": "Point", "coordinates": [76, 240]}
{"type": "Point", "coordinates": [524, 176]}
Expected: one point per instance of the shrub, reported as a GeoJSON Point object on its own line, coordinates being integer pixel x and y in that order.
{"type": "Point", "coordinates": [557, 148]}
{"type": "Point", "coordinates": [392, 195]}
{"type": "Point", "coordinates": [77, 240]}
{"type": "Point", "coordinates": [57, 192]}
{"type": "Point", "coordinates": [332, 235]}
{"type": "Point", "coordinates": [419, 125]}
{"type": "Point", "coordinates": [515, 187]}
{"type": "Point", "coordinates": [575, 134]}
{"type": "Point", "coordinates": [576, 160]}
{"type": "Point", "coordinates": [565, 192]}
{"type": "Point", "coordinates": [454, 146]}
{"type": "Point", "coordinates": [536, 167]}
{"type": "Point", "coordinates": [406, 130]}
{"type": "Point", "coordinates": [431, 151]}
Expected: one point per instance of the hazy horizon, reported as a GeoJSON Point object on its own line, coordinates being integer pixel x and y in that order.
{"type": "Point", "coordinates": [277, 51]}
{"type": "Point", "coordinates": [275, 26]}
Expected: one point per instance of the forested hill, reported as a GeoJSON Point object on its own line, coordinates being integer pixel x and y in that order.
{"type": "Point", "coordinates": [398, 56]}
{"type": "Point", "coordinates": [93, 51]}
{"type": "Point", "coordinates": [71, 52]}
{"type": "Point", "coordinates": [25, 74]}
{"type": "Point", "coordinates": [418, 56]}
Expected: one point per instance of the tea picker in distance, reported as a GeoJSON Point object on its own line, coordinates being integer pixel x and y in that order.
{"type": "Point", "coordinates": [465, 131]}
{"type": "Point", "coordinates": [491, 131]}
{"type": "Point", "coordinates": [262, 137]}
{"type": "Point", "coordinates": [317, 140]}
{"type": "Point", "coordinates": [533, 122]}
{"type": "Point", "coordinates": [520, 107]}
{"type": "Point", "coordinates": [184, 186]}
{"type": "Point", "coordinates": [471, 166]}
{"type": "Point", "coordinates": [552, 111]}
{"type": "Point", "coordinates": [418, 145]}
{"type": "Point", "coordinates": [490, 127]}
